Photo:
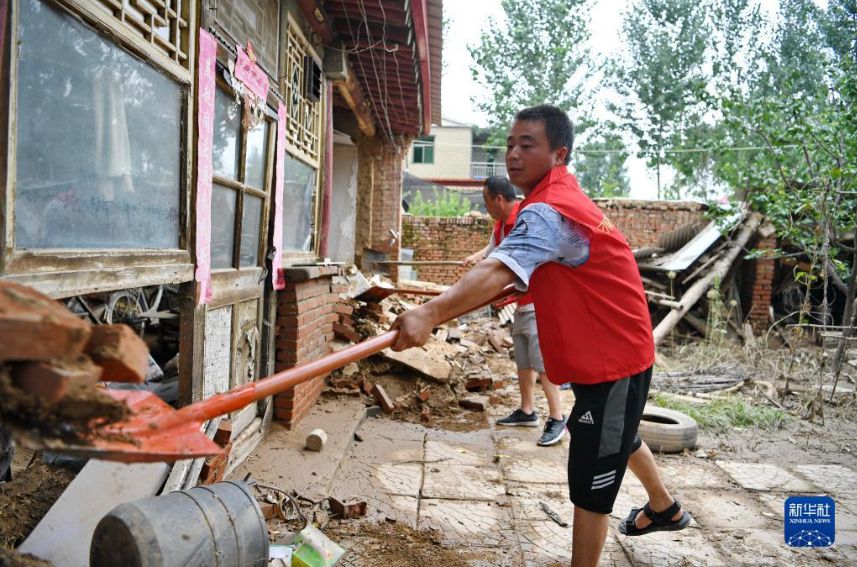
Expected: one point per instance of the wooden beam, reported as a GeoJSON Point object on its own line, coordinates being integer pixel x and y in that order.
{"type": "Point", "coordinates": [718, 271]}
{"type": "Point", "coordinates": [317, 20]}
{"type": "Point", "coordinates": [351, 92]}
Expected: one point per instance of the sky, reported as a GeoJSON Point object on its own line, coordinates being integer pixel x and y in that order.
{"type": "Point", "coordinates": [467, 19]}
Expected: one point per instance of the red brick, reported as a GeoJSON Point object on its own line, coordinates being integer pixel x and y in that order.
{"type": "Point", "coordinates": [122, 355]}
{"type": "Point", "coordinates": [346, 333]}
{"type": "Point", "coordinates": [35, 327]}
{"type": "Point", "coordinates": [51, 380]}
{"type": "Point", "coordinates": [380, 394]}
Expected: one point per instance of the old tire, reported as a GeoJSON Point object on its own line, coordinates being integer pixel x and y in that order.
{"type": "Point", "coordinates": [667, 431]}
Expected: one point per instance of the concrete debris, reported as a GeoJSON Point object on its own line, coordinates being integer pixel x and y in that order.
{"type": "Point", "coordinates": [424, 362]}
{"type": "Point", "coordinates": [316, 440]}
{"type": "Point", "coordinates": [474, 403]}
{"type": "Point", "coordinates": [496, 341]}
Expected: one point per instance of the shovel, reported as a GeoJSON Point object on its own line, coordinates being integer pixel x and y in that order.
{"type": "Point", "coordinates": [157, 432]}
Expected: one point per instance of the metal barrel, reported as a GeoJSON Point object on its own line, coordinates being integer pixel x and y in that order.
{"type": "Point", "coordinates": [218, 525]}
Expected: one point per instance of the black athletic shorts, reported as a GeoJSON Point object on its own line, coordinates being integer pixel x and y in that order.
{"type": "Point", "coordinates": [603, 426]}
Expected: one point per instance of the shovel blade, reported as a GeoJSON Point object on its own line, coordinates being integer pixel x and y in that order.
{"type": "Point", "coordinates": [133, 440]}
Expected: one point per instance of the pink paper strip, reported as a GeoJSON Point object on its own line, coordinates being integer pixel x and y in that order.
{"type": "Point", "coordinates": [205, 126]}
{"type": "Point", "coordinates": [278, 278]}
{"type": "Point", "coordinates": [251, 75]}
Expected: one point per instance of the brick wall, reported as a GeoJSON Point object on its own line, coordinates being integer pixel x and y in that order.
{"type": "Point", "coordinates": [305, 318]}
{"type": "Point", "coordinates": [435, 238]}
{"type": "Point", "coordinates": [760, 285]}
{"type": "Point", "coordinates": [379, 200]}
{"type": "Point", "coordinates": [642, 222]}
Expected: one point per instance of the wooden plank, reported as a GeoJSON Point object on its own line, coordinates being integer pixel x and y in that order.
{"type": "Point", "coordinates": [64, 534]}
{"type": "Point", "coordinates": [81, 282]}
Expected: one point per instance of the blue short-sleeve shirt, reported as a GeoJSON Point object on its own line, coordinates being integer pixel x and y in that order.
{"type": "Point", "coordinates": [541, 234]}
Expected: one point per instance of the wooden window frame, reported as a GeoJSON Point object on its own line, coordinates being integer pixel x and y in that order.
{"type": "Point", "coordinates": [67, 272]}
{"type": "Point", "coordinates": [242, 189]}
{"type": "Point", "coordinates": [424, 143]}
{"type": "Point", "coordinates": [289, 25]}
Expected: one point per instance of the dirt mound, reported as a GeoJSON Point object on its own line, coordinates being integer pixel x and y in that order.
{"type": "Point", "coordinates": [26, 499]}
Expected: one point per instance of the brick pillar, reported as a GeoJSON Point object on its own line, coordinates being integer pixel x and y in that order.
{"type": "Point", "coordinates": [379, 199]}
{"type": "Point", "coordinates": [763, 280]}
{"type": "Point", "coordinates": [305, 317]}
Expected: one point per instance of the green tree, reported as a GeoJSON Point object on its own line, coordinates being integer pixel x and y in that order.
{"type": "Point", "coordinates": [446, 204]}
{"type": "Point", "coordinates": [661, 74]}
{"type": "Point", "coordinates": [537, 54]}
{"type": "Point", "coordinates": [599, 165]}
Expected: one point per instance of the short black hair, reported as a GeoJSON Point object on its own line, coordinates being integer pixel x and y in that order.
{"type": "Point", "coordinates": [499, 185]}
{"type": "Point", "coordinates": [558, 126]}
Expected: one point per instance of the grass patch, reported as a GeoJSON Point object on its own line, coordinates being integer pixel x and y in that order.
{"type": "Point", "coordinates": [720, 415]}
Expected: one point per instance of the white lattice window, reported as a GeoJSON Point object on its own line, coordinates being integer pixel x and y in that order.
{"type": "Point", "coordinates": [304, 123]}
{"type": "Point", "coordinates": [162, 23]}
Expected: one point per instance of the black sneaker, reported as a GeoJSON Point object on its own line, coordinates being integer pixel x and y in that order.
{"type": "Point", "coordinates": [518, 417]}
{"type": "Point", "coordinates": [554, 432]}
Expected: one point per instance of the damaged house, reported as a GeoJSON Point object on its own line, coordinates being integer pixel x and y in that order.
{"type": "Point", "coordinates": [202, 170]}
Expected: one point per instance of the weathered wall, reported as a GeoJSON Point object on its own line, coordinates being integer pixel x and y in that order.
{"type": "Point", "coordinates": [305, 317]}
{"type": "Point", "coordinates": [379, 200]}
{"type": "Point", "coordinates": [642, 222]}
{"type": "Point", "coordinates": [435, 238]}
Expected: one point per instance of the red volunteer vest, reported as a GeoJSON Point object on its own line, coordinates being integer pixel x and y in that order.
{"type": "Point", "coordinates": [501, 230]}
{"type": "Point", "coordinates": [593, 320]}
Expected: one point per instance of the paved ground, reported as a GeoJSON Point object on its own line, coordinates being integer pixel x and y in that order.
{"type": "Point", "coordinates": [482, 489]}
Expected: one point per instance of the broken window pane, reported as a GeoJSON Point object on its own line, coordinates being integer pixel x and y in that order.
{"type": "Point", "coordinates": [298, 194]}
{"type": "Point", "coordinates": [227, 127]}
{"type": "Point", "coordinates": [222, 226]}
{"type": "Point", "coordinates": [251, 225]}
{"type": "Point", "coordinates": [98, 134]}
{"type": "Point", "coordinates": [257, 149]}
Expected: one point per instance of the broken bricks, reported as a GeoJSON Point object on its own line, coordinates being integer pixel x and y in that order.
{"type": "Point", "coordinates": [35, 327]}
{"type": "Point", "coordinates": [479, 384]}
{"type": "Point", "coordinates": [474, 403]}
{"type": "Point", "coordinates": [347, 511]}
{"type": "Point", "coordinates": [384, 400]}
{"type": "Point", "coordinates": [52, 379]}
{"type": "Point", "coordinates": [122, 355]}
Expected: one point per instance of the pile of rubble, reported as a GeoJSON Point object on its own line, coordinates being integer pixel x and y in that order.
{"type": "Point", "coordinates": [460, 366]}
{"type": "Point", "coordinates": [51, 364]}
{"type": "Point", "coordinates": [689, 277]}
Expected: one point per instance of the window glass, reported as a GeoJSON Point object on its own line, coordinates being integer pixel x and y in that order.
{"type": "Point", "coordinates": [227, 127]}
{"type": "Point", "coordinates": [257, 149]}
{"type": "Point", "coordinates": [298, 192]}
{"type": "Point", "coordinates": [424, 149]}
{"type": "Point", "coordinates": [251, 226]}
{"type": "Point", "coordinates": [98, 140]}
{"type": "Point", "coordinates": [223, 201]}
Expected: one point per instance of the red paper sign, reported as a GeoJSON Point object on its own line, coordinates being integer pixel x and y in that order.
{"type": "Point", "coordinates": [251, 75]}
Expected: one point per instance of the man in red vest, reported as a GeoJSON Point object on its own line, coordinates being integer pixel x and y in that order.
{"type": "Point", "coordinates": [594, 327]}
{"type": "Point", "coordinates": [502, 204]}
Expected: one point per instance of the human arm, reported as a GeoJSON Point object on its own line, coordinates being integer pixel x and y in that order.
{"type": "Point", "coordinates": [477, 256]}
{"type": "Point", "coordinates": [479, 285]}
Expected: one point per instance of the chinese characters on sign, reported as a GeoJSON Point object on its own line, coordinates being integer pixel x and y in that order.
{"type": "Point", "coordinates": [810, 521]}
{"type": "Point", "coordinates": [251, 75]}
{"type": "Point", "coordinates": [205, 118]}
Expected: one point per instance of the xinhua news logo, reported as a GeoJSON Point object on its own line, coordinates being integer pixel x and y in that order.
{"type": "Point", "coordinates": [810, 521]}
